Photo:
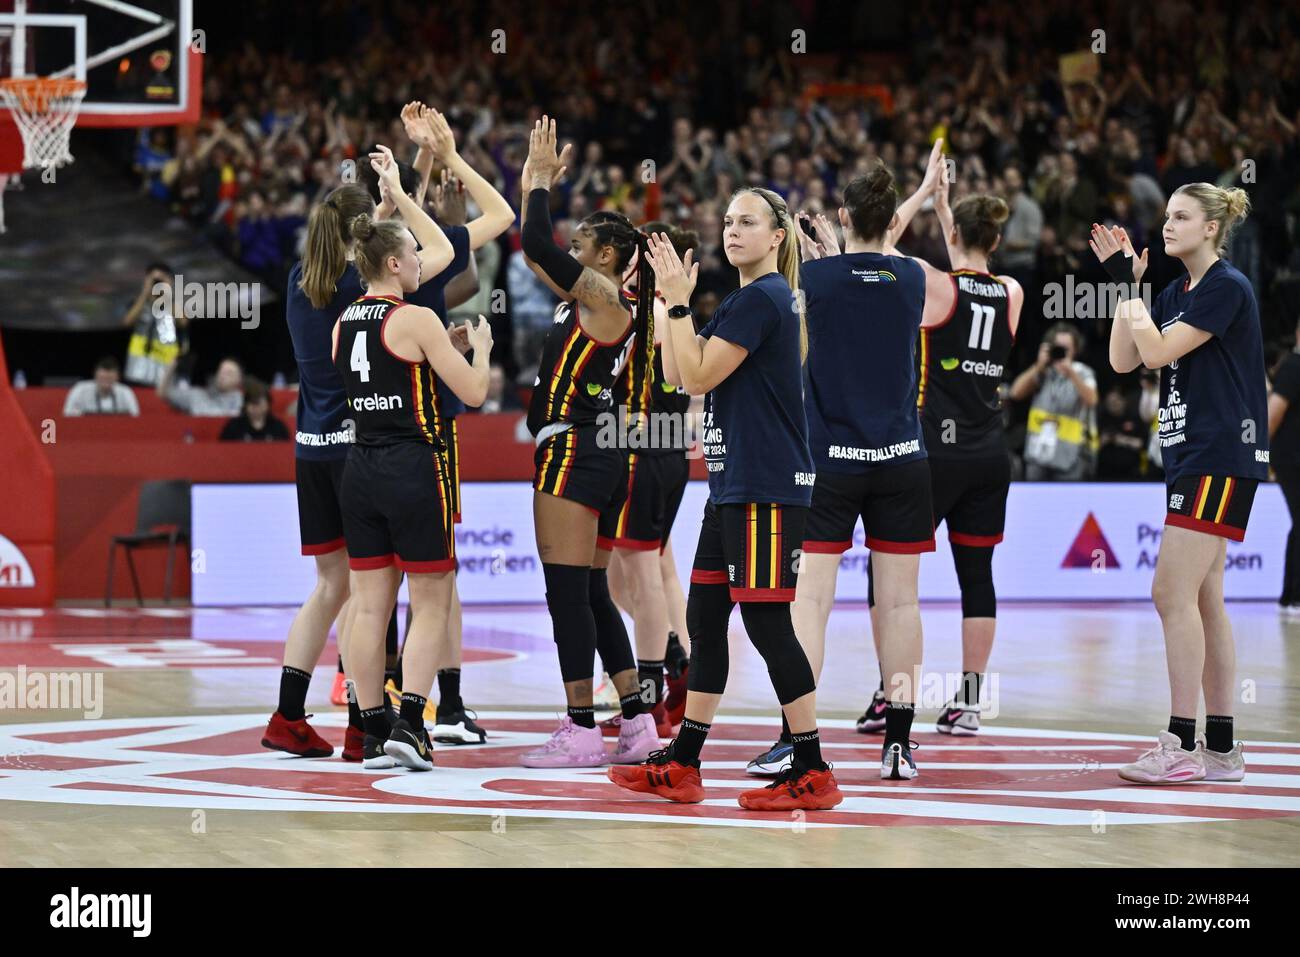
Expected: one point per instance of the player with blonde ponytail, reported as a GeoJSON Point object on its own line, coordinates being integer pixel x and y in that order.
{"type": "Point", "coordinates": [1203, 334]}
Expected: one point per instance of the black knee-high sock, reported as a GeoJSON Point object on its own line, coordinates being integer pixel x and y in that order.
{"type": "Point", "coordinates": [612, 643]}
{"type": "Point", "coordinates": [651, 676]}
{"type": "Point", "coordinates": [1218, 733]}
{"type": "Point", "coordinates": [293, 693]}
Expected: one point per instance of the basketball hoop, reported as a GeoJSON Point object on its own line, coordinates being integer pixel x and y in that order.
{"type": "Point", "coordinates": [44, 109]}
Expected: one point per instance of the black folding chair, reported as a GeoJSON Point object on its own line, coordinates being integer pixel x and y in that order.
{"type": "Point", "coordinates": [162, 518]}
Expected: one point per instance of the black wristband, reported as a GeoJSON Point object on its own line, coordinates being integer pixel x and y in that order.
{"type": "Point", "coordinates": [679, 312]}
{"type": "Point", "coordinates": [1119, 267]}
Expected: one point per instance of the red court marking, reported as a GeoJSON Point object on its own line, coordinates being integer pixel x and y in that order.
{"type": "Point", "coordinates": [54, 762]}
{"type": "Point", "coordinates": [71, 737]}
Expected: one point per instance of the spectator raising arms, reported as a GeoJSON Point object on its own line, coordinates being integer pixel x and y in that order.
{"type": "Point", "coordinates": [223, 396]}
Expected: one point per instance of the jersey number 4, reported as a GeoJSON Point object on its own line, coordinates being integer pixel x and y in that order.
{"type": "Point", "coordinates": [359, 363]}
{"type": "Point", "coordinates": [981, 326]}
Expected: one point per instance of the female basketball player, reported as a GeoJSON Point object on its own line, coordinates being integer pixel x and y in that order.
{"type": "Point", "coordinates": [865, 436]}
{"type": "Point", "coordinates": [654, 413]}
{"type": "Point", "coordinates": [395, 491]}
{"type": "Point", "coordinates": [429, 129]}
{"type": "Point", "coordinates": [747, 360]}
{"type": "Point", "coordinates": [320, 286]}
{"type": "Point", "coordinates": [579, 477]}
{"type": "Point", "coordinates": [1203, 334]}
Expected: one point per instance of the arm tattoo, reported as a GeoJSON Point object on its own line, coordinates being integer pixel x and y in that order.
{"type": "Point", "coordinates": [595, 291]}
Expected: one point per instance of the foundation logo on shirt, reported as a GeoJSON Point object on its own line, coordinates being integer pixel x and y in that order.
{"type": "Point", "coordinates": [1087, 544]}
{"type": "Point", "coordinates": [875, 275]}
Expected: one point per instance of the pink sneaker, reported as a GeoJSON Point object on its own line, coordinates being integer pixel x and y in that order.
{"type": "Point", "coordinates": [1166, 763]}
{"type": "Point", "coordinates": [570, 746]}
{"type": "Point", "coordinates": [637, 738]}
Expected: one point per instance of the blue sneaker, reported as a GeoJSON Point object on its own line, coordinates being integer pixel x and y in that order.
{"type": "Point", "coordinates": [771, 762]}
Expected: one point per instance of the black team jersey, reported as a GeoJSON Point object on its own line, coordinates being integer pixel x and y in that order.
{"type": "Point", "coordinates": [665, 428]}
{"type": "Point", "coordinates": [391, 400]}
{"type": "Point", "coordinates": [576, 375]}
{"type": "Point", "coordinates": [959, 367]}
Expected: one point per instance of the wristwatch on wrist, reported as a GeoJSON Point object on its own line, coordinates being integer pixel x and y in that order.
{"type": "Point", "coordinates": [679, 312]}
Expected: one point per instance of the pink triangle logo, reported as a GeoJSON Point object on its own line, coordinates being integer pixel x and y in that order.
{"type": "Point", "coordinates": [1087, 543]}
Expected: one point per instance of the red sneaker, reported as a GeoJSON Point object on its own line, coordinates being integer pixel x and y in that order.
{"type": "Point", "coordinates": [354, 744]}
{"type": "Point", "coordinates": [809, 791]}
{"type": "Point", "coordinates": [339, 690]}
{"type": "Point", "coordinates": [611, 727]}
{"type": "Point", "coordinates": [296, 737]}
{"type": "Point", "coordinates": [675, 702]}
{"type": "Point", "coordinates": [663, 727]}
{"type": "Point", "coordinates": [662, 776]}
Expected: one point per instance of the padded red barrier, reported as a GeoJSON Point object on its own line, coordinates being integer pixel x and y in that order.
{"type": "Point", "coordinates": [27, 518]}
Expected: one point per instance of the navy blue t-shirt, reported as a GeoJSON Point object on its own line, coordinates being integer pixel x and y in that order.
{"type": "Point", "coordinates": [322, 399]}
{"type": "Point", "coordinates": [1214, 400]}
{"type": "Point", "coordinates": [755, 432]}
{"type": "Point", "coordinates": [432, 295]}
{"type": "Point", "coordinates": [864, 315]}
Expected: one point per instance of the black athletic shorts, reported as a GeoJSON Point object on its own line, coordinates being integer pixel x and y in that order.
{"type": "Point", "coordinates": [570, 464]}
{"type": "Point", "coordinates": [396, 509]}
{"type": "Point", "coordinates": [1214, 504]}
{"type": "Point", "coordinates": [320, 517]}
{"type": "Point", "coordinates": [971, 496]}
{"type": "Point", "coordinates": [451, 439]}
{"type": "Point", "coordinates": [655, 484]}
{"type": "Point", "coordinates": [753, 547]}
{"type": "Point", "coordinates": [893, 500]}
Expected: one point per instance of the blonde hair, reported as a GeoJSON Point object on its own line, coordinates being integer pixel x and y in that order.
{"type": "Point", "coordinates": [375, 242]}
{"type": "Point", "coordinates": [1227, 207]}
{"type": "Point", "coordinates": [787, 256]}
{"type": "Point", "coordinates": [325, 255]}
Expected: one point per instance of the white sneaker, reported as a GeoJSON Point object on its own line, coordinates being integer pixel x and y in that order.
{"type": "Point", "coordinates": [1219, 766]}
{"type": "Point", "coordinates": [959, 719]}
{"type": "Point", "coordinates": [1289, 611]}
{"type": "Point", "coordinates": [1166, 763]}
{"type": "Point", "coordinates": [896, 762]}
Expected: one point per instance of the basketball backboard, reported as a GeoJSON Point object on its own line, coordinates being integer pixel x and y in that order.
{"type": "Point", "coordinates": [135, 56]}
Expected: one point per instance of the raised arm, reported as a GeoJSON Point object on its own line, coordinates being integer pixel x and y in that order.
{"type": "Point", "coordinates": [417, 326]}
{"type": "Point", "coordinates": [436, 253]}
{"type": "Point", "coordinates": [435, 137]}
{"type": "Point", "coordinates": [700, 364]}
{"type": "Point", "coordinates": [934, 171]}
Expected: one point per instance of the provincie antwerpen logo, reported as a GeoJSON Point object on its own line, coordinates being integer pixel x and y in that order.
{"type": "Point", "coordinates": [1086, 545]}
{"type": "Point", "coordinates": [77, 910]}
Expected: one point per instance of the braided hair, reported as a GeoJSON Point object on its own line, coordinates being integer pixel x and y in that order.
{"type": "Point", "coordinates": [613, 229]}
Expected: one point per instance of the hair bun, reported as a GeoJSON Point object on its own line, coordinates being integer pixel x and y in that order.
{"type": "Point", "coordinates": [994, 209]}
{"type": "Point", "coordinates": [363, 227]}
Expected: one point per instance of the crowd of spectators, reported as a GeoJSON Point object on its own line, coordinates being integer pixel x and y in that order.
{"type": "Point", "coordinates": [671, 105]}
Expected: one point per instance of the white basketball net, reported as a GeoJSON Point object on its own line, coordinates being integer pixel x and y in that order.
{"type": "Point", "coordinates": [44, 111]}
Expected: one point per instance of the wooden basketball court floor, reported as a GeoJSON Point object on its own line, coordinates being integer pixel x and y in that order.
{"type": "Point", "coordinates": [164, 767]}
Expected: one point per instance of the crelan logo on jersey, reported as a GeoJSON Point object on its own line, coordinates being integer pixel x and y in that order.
{"type": "Point", "coordinates": [103, 910]}
{"type": "Point", "coordinates": [376, 402]}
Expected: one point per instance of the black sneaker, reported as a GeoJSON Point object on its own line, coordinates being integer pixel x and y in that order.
{"type": "Point", "coordinates": [458, 727]}
{"type": "Point", "coordinates": [409, 747]}
{"type": "Point", "coordinates": [873, 719]}
{"type": "Point", "coordinates": [373, 755]}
